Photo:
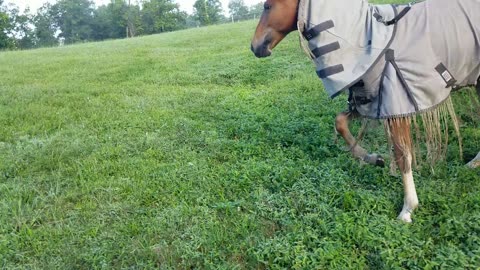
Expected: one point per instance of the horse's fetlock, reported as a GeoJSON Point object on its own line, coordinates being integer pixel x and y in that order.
{"type": "Point", "coordinates": [359, 152]}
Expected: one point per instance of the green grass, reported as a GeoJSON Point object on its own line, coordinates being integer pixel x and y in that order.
{"type": "Point", "coordinates": [183, 151]}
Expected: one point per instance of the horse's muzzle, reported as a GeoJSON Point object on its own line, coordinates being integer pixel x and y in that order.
{"type": "Point", "coordinates": [261, 51]}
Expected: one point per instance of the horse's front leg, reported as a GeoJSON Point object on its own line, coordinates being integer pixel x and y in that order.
{"type": "Point", "coordinates": [341, 125]}
{"type": "Point", "coordinates": [475, 163]}
{"type": "Point", "coordinates": [478, 87]}
{"type": "Point", "coordinates": [402, 143]}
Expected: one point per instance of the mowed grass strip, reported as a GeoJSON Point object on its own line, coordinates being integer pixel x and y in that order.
{"type": "Point", "coordinates": [181, 150]}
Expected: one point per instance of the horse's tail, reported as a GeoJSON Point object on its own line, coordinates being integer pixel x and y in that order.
{"type": "Point", "coordinates": [431, 129]}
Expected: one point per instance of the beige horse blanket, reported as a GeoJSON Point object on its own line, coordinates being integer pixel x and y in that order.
{"type": "Point", "coordinates": [394, 60]}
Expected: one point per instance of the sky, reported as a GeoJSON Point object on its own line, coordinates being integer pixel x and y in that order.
{"type": "Point", "coordinates": [186, 5]}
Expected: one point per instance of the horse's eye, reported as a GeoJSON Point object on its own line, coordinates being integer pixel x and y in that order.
{"type": "Point", "coordinates": [267, 6]}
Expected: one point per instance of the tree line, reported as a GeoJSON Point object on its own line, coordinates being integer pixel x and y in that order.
{"type": "Point", "coordinates": [72, 21]}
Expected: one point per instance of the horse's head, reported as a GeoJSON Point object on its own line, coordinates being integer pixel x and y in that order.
{"type": "Point", "coordinates": [279, 18]}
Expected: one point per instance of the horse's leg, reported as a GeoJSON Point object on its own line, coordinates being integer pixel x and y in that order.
{"type": "Point", "coordinates": [402, 143]}
{"type": "Point", "coordinates": [341, 125]}
{"type": "Point", "coordinates": [478, 87]}
{"type": "Point", "coordinates": [475, 163]}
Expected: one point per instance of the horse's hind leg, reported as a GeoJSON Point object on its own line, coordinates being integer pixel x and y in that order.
{"type": "Point", "coordinates": [402, 144]}
{"type": "Point", "coordinates": [341, 125]}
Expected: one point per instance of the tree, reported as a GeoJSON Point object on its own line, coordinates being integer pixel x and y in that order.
{"type": "Point", "coordinates": [45, 27]}
{"type": "Point", "coordinates": [20, 27]}
{"type": "Point", "coordinates": [5, 41]}
{"type": "Point", "coordinates": [238, 10]}
{"type": "Point", "coordinates": [161, 16]}
{"type": "Point", "coordinates": [135, 26]}
{"type": "Point", "coordinates": [74, 18]}
{"type": "Point", "coordinates": [101, 24]}
{"type": "Point", "coordinates": [192, 21]}
{"type": "Point", "coordinates": [208, 11]}
{"type": "Point", "coordinates": [256, 10]}
{"type": "Point", "coordinates": [110, 21]}
{"type": "Point", "coordinates": [72, 21]}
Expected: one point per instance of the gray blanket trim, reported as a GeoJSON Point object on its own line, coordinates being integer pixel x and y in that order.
{"type": "Point", "coordinates": [419, 112]}
{"type": "Point", "coordinates": [380, 90]}
{"type": "Point", "coordinates": [402, 81]}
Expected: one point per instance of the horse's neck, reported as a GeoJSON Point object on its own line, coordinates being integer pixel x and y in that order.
{"type": "Point", "coordinates": [314, 12]}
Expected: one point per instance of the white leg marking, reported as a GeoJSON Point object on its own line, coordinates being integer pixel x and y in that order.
{"type": "Point", "coordinates": [410, 201]}
{"type": "Point", "coordinates": [475, 163]}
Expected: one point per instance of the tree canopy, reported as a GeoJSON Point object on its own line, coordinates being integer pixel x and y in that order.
{"type": "Point", "coordinates": [207, 11]}
{"type": "Point", "coordinates": [6, 42]}
{"type": "Point", "coordinates": [79, 20]}
{"type": "Point", "coordinates": [73, 18]}
{"type": "Point", "coordinates": [162, 15]}
{"type": "Point", "coordinates": [45, 27]}
{"type": "Point", "coordinates": [238, 10]}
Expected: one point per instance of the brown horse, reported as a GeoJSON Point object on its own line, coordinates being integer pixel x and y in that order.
{"type": "Point", "coordinates": [280, 18]}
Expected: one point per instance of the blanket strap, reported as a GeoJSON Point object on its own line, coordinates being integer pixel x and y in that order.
{"type": "Point", "coordinates": [317, 29]}
{"type": "Point", "coordinates": [397, 18]}
{"type": "Point", "coordinates": [326, 49]}
{"type": "Point", "coordinates": [329, 71]}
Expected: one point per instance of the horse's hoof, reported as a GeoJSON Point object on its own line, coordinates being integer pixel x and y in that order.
{"type": "Point", "coordinates": [374, 159]}
{"type": "Point", "coordinates": [380, 162]}
{"type": "Point", "coordinates": [405, 217]}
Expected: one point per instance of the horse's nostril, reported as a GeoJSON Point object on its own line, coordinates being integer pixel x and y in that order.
{"type": "Point", "coordinates": [260, 51]}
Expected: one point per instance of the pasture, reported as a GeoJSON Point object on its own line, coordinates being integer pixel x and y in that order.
{"type": "Point", "coordinates": [184, 151]}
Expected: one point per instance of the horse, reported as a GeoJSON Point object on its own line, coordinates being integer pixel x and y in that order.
{"type": "Point", "coordinates": [281, 17]}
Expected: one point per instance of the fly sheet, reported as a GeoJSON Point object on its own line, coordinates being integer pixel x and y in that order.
{"type": "Point", "coordinates": [394, 60]}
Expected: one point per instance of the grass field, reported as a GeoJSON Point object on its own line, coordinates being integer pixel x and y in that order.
{"type": "Point", "coordinates": [183, 151]}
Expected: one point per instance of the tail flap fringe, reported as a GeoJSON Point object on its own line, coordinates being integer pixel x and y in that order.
{"type": "Point", "coordinates": [435, 126]}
